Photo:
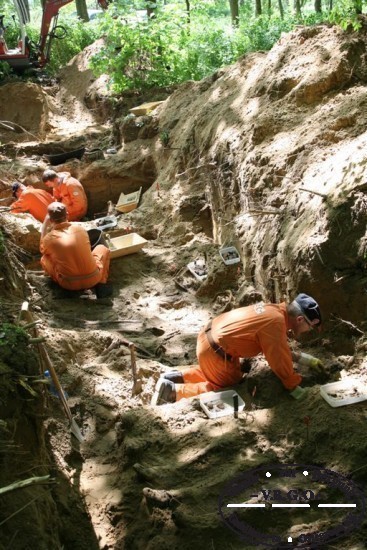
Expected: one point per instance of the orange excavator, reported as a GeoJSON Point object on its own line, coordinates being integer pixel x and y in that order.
{"type": "Point", "coordinates": [28, 54]}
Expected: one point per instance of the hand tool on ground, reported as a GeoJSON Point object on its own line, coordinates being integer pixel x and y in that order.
{"type": "Point", "coordinates": [137, 382]}
{"type": "Point", "coordinates": [235, 405]}
{"type": "Point", "coordinates": [74, 428]}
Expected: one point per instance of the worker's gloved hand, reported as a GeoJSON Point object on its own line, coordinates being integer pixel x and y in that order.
{"type": "Point", "coordinates": [298, 393]}
{"type": "Point", "coordinates": [310, 361]}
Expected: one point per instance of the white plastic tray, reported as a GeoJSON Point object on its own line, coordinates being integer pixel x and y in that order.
{"type": "Point", "coordinates": [198, 269]}
{"type": "Point", "coordinates": [216, 404]}
{"type": "Point", "coordinates": [230, 255]}
{"type": "Point", "coordinates": [107, 222]}
{"type": "Point", "coordinates": [127, 244]}
{"type": "Point", "coordinates": [344, 392]}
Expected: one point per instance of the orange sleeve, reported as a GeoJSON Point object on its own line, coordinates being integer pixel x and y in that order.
{"type": "Point", "coordinates": [75, 197]}
{"type": "Point", "coordinates": [20, 205]}
{"type": "Point", "coordinates": [274, 344]}
{"type": "Point", "coordinates": [44, 245]}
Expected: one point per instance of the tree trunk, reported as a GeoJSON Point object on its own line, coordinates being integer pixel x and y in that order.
{"type": "Point", "coordinates": [81, 10]}
{"type": "Point", "coordinates": [281, 9]}
{"type": "Point", "coordinates": [258, 10]}
{"type": "Point", "coordinates": [150, 10]}
{"type": "Point", "coordinates": [318, 8]}
{"type": "Point", "coordinates": [297, 7]}
{"type": "Point", "coordinates": [235, 16]}
{"type": "Point", "coordinates": [188, 13]}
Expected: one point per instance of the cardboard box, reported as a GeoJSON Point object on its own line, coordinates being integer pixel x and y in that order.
{"type": "Point", "coordinates": [217, 404]}
{"type": "Point", "coordinates": [145, 108]}
{"type": "Point", "coordinates": [129, 202]}
{"type": "Point", "coordinates": [127, 244]}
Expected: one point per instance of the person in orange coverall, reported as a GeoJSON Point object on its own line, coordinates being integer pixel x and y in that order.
{"type": "Point", "coordinates": [67, 256]}
{"type": "Point", "coordinates": [69, 191]}
{"type": "Point", "coordinates": [34, 201]}
{"type": "Point", "coordinates": [245, 332]}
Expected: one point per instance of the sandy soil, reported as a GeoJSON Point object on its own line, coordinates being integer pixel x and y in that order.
{"type": "Point", "coordinates": [150, 477]}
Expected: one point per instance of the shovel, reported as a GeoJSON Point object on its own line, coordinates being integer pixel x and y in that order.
{"type": "Point", "coordinates": [74, 428]}
{"type": "Point", "coordinates": [137, 383]}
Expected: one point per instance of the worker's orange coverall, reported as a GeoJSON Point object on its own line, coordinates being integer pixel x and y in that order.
{"type": "Point", "coordinates": [69, 260]}
{"type": "Point", "coordinates": [242, 332]}
{"type": "Point", "coordinates": [71, 193]}
{"type": "Point", "coordinates": [34, 201]}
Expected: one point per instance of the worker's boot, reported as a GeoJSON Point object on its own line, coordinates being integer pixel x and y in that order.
{"type": "Point", "coordinates": [174, 376]}
{"type": "Point", "coordinates": [164, 392]}
{"type": "Point", "coordinates": [103, 290]}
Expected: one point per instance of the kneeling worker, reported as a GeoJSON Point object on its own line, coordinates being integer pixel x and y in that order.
{"type": "Point", "coordinates": [67, 255]}
{"type": "Point", "coordinates": [69, 191]}
{"type": "Point", "coordinates": [29, 199]}
{"type": "Point", "coordinates": [245, 332]}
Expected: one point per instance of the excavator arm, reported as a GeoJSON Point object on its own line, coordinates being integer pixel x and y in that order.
{"type": "Point", "coordinates": [50, 14]}
{"type": "Point", "coordinates": [21, 57]}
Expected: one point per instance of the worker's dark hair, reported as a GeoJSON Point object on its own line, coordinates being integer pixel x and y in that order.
{"type": "Point", "coordinates": [57, 212]}
{"type": "Point", "coordinates": [15, 187]}
{"type": "Point", "coordinates": [49, 175]}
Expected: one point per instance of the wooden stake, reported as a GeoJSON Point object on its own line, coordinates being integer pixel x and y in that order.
{"type": "Point", "coordinates": [137, 383]}
{"type": "Point", "coordinates": [74, 428]}
{"type": "Point", "coordinates": [313, 192]}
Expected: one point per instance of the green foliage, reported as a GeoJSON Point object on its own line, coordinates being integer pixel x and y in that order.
{"type": "Point", "coordinates": [14, 350]}
{"type": "Point", "coordinates": [79, 36]}
{"type": "Point", "coordinates": [166, 49]}
{"type": "Point", "coordinates": [163, 50]}
{"type": "Point", "coordinates": [344, 14]}
{"type": "Point", "coordinates": [164, 137]}
{"type": "Point", "coordinates": [5, 70]}
{"type": "Point", "coordinates": [261, 33]}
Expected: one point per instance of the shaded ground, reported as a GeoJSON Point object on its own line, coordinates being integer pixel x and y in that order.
{"type": "Point", "coordinates": [239, 145]}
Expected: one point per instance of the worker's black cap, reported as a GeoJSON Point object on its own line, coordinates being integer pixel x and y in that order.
{"type": "Point", "coordinates": [57, 212]}
{"type": "Point", "coordinates": [310, 308]}
{"type": "Point", "coordinates": [16, 185]}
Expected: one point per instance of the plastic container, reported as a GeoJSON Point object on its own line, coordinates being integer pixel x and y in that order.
{"type": "Point", "coordinates": [52, 387]}
{"type": "Point", "coordinates": [127, 244]}
{"type": "Point", "coordinates": [108, 222]}
{"type": "Point", "coordinates": [60, 158]}
{"type": "Point", "coordinates": [230, 255]}
{"type": "Point", "coordinates": [344, 392]}
{"type": "Point", "coordinates": [96, 237]}
{"type": "Point", "coordinates": [198, 269]}
{"type": "Point", "coordinates": [126, 203]}
{"type": "Point", "coordinates": [216, 404]}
